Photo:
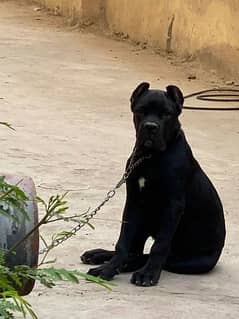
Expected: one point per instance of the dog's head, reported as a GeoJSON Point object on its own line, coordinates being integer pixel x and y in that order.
{"type": "Point", "coordinates": [156, 116]}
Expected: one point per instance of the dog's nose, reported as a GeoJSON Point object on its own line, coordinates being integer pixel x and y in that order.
{"type": "Point", "coordinates": [151, 126]}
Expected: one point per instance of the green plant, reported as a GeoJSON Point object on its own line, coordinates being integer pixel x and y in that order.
{"type": "Point", "coordinates": [13, 279]}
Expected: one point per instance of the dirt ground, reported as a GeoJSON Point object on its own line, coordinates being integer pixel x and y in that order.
{"type": "Point", "coordinates": [67, 94]}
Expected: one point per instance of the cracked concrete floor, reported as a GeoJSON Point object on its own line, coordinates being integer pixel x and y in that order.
{"type": "Point", "coordinates": [66, 92]}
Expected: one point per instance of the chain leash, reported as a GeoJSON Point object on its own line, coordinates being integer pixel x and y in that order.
{"type": "Point", "coordinates": [89, 215]}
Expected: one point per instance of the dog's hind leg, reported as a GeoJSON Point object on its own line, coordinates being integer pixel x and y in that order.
{"type": "Point", "coordinates": [191, 265]}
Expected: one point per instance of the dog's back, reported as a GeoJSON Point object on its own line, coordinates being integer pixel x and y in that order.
{"type": "Point", "coordinates": [202, 226]}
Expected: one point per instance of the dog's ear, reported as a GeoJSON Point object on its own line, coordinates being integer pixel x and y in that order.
{"type": "Point", "coordinates": [140, 89]}
{"type": "Point", "coordinates": [175, 94]}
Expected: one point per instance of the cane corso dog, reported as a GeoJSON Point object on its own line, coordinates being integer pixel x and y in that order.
{"type": "Point", "coordinates": [169, 197]}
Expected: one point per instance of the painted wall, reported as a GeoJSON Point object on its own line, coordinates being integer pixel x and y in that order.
{"type": "Point", "coordinates": [205, 28]}
{"type": "Point", "coordinates": [78, 11]}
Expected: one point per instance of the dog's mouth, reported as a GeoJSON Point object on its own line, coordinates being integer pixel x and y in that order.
{"type": "Point", "coordinates": [151, 145]}
{"type": "Point", "coordinates": [150, 141]}
{"type": "Point", "coordinates": [148, 144]}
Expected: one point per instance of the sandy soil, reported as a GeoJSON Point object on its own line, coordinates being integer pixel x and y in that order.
{"type": "Point", "coordinates": [66, 92]}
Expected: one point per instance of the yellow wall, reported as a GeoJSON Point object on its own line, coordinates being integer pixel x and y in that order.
{"type": "Point", "coordinates": [197, 23]}
{"type": "Point", "coordinates": [79, 11]}
{"type": "Point", "coordinates": [205, 28]}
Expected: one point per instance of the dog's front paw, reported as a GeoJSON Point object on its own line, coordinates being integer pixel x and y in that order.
{"type": "Point", "coordinates": [96, 256]}
{"type": "Point", "coordinates": [144, 277]}
{"type": "Point", "coordinates": [105, 272]}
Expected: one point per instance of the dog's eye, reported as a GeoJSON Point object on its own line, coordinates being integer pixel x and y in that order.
{"type": "Point", "coordinates": [139, 114]}
{"type": "Point", "coordinates": [167, 114]}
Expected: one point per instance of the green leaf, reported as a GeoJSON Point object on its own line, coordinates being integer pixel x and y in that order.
{"type": "Point", "coordinates": [61, 235]}
{"type": "Point", "coordinates": [55, 275]}
{"type": "Point", "coordinates": [13, 201]}
{"type": "Point", "coordinates": [7, 125]}
{"type": "Point", "coordinates": [18, 304]}
{"type": "Point", "coordinates": [69, 275]}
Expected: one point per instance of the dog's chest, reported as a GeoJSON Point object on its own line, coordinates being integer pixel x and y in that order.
{"type": "Point", "coordinates": [150, 180]}
{"type": "Point", "coordinates": [141, 183]}
{"type": "Point", "coordinates": [145, 184]}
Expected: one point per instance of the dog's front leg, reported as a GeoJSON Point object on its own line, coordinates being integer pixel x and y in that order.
{"type": "Point", "coordinates": [131, 241]}
{"type": "Point", "coordinates": [150, 273]}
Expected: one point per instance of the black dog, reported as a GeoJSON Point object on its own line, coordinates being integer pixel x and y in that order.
{"type": "Point", "coordinates": [169, 197]}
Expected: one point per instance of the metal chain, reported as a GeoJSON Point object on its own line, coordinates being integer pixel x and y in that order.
{"type": "Point", "coordinates": [88, 216]}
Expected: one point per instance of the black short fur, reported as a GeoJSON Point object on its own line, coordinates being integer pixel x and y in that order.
{"type": "Point", "coordinates": [169, 198]}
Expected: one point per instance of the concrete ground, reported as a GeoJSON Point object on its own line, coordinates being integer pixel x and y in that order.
{"type": "Point", "coordinates": [67, 94]}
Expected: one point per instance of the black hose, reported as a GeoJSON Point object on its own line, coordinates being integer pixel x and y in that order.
{"type": "Point", "coordinates": [222, 96]}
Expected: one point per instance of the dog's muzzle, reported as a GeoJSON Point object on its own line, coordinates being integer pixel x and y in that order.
{"type": "Point", "coordinates": [150, 130]}
{"type": "Point", "coordinates": [150, 136]}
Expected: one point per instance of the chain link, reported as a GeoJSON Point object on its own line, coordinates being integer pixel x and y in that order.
{"type": "Point", "coordinates": [88, 216]}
